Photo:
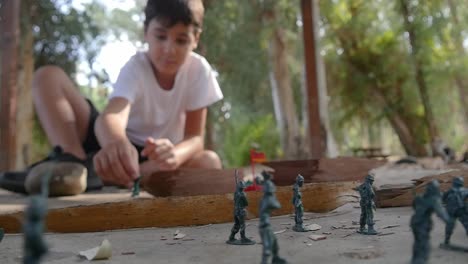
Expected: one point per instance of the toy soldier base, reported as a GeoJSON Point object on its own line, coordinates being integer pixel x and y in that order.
{"type": "Point", "coordinates": [241, 242]}
{"type": "Point", "coordinates": [453, 247]}
{"type": "Point", "coordinates": [267, 204]}
{"type": "Point", "coordinates": [370, 231]}
{"type": "Point", "coordinates": [367, 206]}
{"type": "Point", "coordinates": [301, 228]}
{"type": "Point", "coordinates": [240, 203]}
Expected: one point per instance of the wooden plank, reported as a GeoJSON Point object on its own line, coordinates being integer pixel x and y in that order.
{"type": "Point", "coordinates": [197, 197]}
{"type": "Point", "coordinates": [180, 211]}
{"type": "Point", "coordinates": [404, 196]}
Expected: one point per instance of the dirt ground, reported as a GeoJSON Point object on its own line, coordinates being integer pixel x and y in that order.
{"type": "Point", "coordinates": [206, 244]}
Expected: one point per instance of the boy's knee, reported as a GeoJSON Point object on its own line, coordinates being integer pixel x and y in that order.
{"type": "Point", "coordinates": [47, 72]}
{"type": "Point", "coordinates": [206, 159]}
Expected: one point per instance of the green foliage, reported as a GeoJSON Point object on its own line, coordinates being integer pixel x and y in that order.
{"type": "Point", "coordinates": [368, 57]}
{"type": "Point", "coordinates": [233, 46]}
{"type": "Point", "coordinates": [41, 145]}
{"type": "Point", "coordinates": [97, 95]}
{"type": "Point", "coordinates": [62, 35]}
{"type": "Point", "coordinates": [117, 23]}
{"type": "Point", "coordinates": [241, 133]}
{"type": "Point", "coordinates": [236, 40]}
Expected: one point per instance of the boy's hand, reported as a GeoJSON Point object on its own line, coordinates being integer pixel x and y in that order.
{"type": "Point", "coordinates": [117, 163]}
{"type": "Point", "coordinates": [162, 153]}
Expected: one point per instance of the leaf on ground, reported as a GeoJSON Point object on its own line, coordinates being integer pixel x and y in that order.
{"type": "Point", "coordinates": [104, 251]}
{"type": "Point", "coordinates": [280, 231]}
{"type": "Point", "coordinates": [179, 236]}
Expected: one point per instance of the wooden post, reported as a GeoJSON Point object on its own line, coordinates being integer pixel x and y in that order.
{"type": "Point", "coordinates": [310, 54]}
{"type": "Point", "coordinates": [9, 28]}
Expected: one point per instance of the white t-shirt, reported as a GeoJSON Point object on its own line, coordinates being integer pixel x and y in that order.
{"type": "Point", "coordinates": [161, 113]}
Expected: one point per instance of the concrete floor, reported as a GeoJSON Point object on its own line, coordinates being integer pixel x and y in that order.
{"type": "Point", "coordinates": [206, 244]}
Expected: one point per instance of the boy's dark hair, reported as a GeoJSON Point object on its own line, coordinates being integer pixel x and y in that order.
{"type": "Point", "coordinates": [171, 12]}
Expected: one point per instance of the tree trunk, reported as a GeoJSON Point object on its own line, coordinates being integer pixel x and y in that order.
{"type": "Point", "coordinates": [330, 143]}
{"type": "Point", "coordinates": [420, 74]}
{"type": "Point", "coordinates": [9, 28]}
{"type": "Point", "coordinates": [25, 113]}
{"type": "Point", "coordinates": [279, 115]}
{"type": "Point", "coordinates": [463, 95]}
{"type": "Point", "coordinates": [460, 82]}
{"type": "Point", "coordinates": [291, 138]}
{"type": "Point", "coordinates": [316, 131]}
{"type": "Point", "coordinates": [401, 128]}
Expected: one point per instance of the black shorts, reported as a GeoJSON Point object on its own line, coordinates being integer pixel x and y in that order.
{"type": "Point", "coordinates": [91, 144]}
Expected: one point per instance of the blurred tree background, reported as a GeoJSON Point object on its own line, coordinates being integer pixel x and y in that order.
{"type": "Point", "coordinates": [396, 71]}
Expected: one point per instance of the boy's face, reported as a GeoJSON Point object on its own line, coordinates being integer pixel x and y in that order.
{"type": "Point", "coordinates": [169, 47]}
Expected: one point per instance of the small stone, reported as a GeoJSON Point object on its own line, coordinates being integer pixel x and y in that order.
{"type": "Point", "coordinates": [313, 227]}
{"type": "Point", "coordinates": [317, 237]}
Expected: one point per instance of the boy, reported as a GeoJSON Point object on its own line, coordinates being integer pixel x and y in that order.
{"type": "Point", "coordinates": [155, 118]}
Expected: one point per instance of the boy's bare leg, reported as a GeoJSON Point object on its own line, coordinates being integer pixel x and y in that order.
{"type": "Point", "coordinates": [62, 111]}
{"type": "Point", "coordinates": [205, 159]}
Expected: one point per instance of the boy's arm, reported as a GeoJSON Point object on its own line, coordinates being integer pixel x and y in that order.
{"type": "Point", "coordinates": [111, 123]}
{"type": "Point", "coordinates": [117, 161]}
{"type": "Point", "coordinates": [194, 136]}
{"type": "Point", "coordinates": [164, 156]}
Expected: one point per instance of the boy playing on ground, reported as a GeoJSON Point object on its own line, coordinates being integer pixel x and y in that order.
{"type": "Point", "coordinates": [155, 118]}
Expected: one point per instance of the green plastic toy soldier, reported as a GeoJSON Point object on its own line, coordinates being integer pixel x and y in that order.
{"type": "Point", "coordinates": [269, 203]}
{"type": "Point", "coordinates": [298, 207]}
{"type": "Point", "coordinates": [34, 245]}
{"type": "Point", "coordinates": [136, 187]}
{"type": "Point", "coordinates": [367, 206]}
{"type": "Point", "coordinates": [421, 221]}
{"type": "Point", "coordinates": [2, 233]}
{"type": "Point", "coordinates": [240, 203]}
{"type": "Point", "coordinates": [454, 200]}
{"type": "Point", "coordinates": [33, 228]}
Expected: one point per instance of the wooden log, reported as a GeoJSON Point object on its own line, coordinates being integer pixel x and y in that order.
{"type": "Point", "coordinates": [189, 182]}
{"type": "Point", "coordinates": [180, 211]}
{"type": "Point", "coordinates": [404, 196]}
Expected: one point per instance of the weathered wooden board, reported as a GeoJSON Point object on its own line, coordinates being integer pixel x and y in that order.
{"type": "Point", "coordinates": [404, 196]}
{"type": "Point", "coordinates": [198, 197]}
{"type": "Point", "coordinates": [180, 211]}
